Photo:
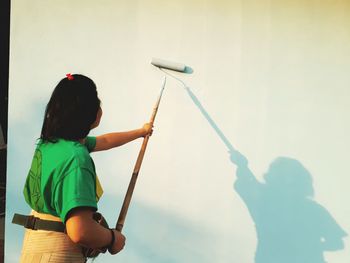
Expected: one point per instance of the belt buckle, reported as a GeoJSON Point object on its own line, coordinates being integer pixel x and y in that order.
{"type": "Point", "coordinates": [30, 222]}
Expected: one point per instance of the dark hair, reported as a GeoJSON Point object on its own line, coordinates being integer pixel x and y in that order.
{"type": "Point", "coordinates": [72, 109]}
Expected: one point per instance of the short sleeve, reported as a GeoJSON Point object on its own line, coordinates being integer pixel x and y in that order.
{"type": "Point", "coordinates": [90, 143]}
{"type": "Point", "coordinates": [76, 189]}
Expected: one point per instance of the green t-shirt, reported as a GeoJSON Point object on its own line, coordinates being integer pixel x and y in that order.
{"type": "Point", "coordinates": [62, 177]}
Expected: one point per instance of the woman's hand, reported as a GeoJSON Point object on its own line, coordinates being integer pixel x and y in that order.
{"type": "Point", "coordinates": [147, 129]}
{"type": "Point", "coordinates": [119, 242]}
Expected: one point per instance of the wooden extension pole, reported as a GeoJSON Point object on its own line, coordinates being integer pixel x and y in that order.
{"type": "Point", "coordinates": [135, 173]}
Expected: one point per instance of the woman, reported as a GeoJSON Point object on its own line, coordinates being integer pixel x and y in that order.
{"type": "Point", "coordinates": [61, 186]}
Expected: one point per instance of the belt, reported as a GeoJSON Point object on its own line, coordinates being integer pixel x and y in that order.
{"type": "Point", "coordinates": [35, 223]}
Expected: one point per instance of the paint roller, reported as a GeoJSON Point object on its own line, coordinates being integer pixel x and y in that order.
{"type": "Point", "coordinates": [160, 63]}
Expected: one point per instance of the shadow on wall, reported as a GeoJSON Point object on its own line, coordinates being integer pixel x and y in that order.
{"type": "Point", "coordinates": [291, 227]}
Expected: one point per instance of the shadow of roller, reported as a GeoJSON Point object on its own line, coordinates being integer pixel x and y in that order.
{"type": "Point", "coordinates": [235, 154]}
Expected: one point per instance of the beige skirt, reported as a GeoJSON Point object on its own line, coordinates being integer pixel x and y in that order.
{"type": "Point", "coordinates": [40, 246]}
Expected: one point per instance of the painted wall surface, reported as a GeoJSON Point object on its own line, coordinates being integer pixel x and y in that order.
{"type": "Point", "coordinates": [269, 94]}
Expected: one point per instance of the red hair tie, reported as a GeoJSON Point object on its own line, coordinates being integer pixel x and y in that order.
{"type": "Point", "coordinates": [69, 76]}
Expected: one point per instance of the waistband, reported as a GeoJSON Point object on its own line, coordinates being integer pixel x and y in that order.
{"type": "Point", "coordinates": [39, 221]}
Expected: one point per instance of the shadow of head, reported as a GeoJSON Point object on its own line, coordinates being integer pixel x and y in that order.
{"type": "Point", "coordinates": [288, 176]}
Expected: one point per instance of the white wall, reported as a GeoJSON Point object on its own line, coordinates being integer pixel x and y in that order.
{"type": "Point", "coordinates": [272, 76]}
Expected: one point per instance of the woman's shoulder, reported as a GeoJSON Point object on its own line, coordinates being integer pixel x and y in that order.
{"type": "Point", "coordinates": [64, 150]}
